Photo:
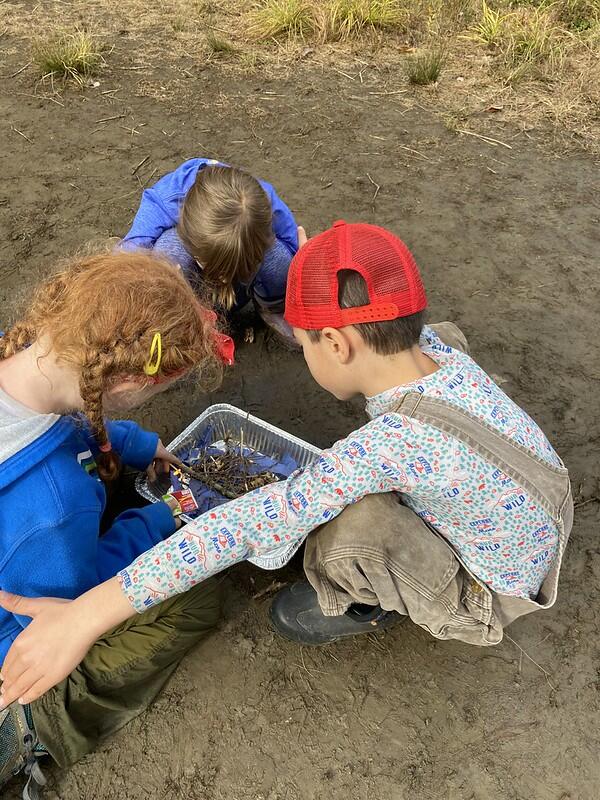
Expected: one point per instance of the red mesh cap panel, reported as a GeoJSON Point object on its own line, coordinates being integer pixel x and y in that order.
{"type": "Point", "coordinates": [386, 264]}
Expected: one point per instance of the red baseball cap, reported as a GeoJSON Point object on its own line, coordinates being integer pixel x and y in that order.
{"type": "Point", "coordinates": [384, 261]}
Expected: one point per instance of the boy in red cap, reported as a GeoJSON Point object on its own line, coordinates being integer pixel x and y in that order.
{"type": "Point", "coordinates": [467, 508]}
{"type": "Point", "coordinates": [449, 506]}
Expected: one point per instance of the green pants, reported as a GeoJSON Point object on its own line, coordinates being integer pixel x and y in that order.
{"type": "Point", "coordinates": [123, 673]}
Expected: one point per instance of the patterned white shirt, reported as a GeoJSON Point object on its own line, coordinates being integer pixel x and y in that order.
{"type": "Point", "coordinates": [500, 533]}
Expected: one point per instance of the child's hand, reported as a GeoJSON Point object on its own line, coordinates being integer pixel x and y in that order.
{"type": "Point", "coordinates": [161, 462]}
{"type": "Point", "coordinates": [302, 237]}
{"type": "Point", "coordinates": [41, 655]}
{"type": "Point", "coordinates": [175, 509]}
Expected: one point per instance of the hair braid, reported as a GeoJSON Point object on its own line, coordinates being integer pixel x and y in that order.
{"type": "Point", "coordinates": [92, 385]}
{"type": "Point", "coordinates": [20, 336]}
{"type": "Point", "coordinates": [99, 317]}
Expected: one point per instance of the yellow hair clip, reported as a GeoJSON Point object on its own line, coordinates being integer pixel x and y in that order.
{"type": "Point", "coordinates": [153, 364]}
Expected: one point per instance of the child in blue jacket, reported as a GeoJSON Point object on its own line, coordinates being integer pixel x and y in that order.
{"type": "Point", "coordinates": [108, 333]}
{"type": "Point", "coordinates": [226, 229]}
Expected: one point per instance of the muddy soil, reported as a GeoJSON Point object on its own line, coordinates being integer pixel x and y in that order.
{"type": "Point", "coordinates": [508, 242]}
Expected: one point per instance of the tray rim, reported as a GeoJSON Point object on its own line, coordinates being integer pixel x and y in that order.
{"type": "Point", "coordinates": [246, 415]}
{"type": "Point", "coordinates": [141, 482]}
{"type": "Point", "coordinates": [280, 555]}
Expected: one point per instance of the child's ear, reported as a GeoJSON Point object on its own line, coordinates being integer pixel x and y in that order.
{"type": "Point", "coordinates": [339, 345]}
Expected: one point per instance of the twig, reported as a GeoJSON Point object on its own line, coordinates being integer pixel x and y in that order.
{"type": "Point", "coordinates": [385, 94]}
{"type": "Point", "coordinates": [539, 666]}
{"type": "Point", "coordinates": [377, 188]}
{"type": "Point", "coordinates": [585, 502]}
{"type": "Point", "coordinates": [149, 178]}
{"type": "Point", "coordinates": [133, 131]}
{"type": "Point", "coordinates": [16, 130]}
{"type": "Point", "coordinates": [141, 164]}
{"type": "Point", "coordinates": [41, 97]}
{"type": "Point", "coordinates": [487, 139]}
{"type": "Point", "coordinates": [108, 119]}
{"type": "Point", "coordinates": [411, 150]}
{"type": "Point", "coordinates": [19, 71]}
{"type": "Point", "coordinates": [345, 74]}
{"type": "Point", "coordinates": [272, 587]}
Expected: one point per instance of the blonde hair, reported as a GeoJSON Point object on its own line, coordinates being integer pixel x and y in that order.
{"type": "Point", "coordinates": [226, 225]}
{"type": "Point", "coordinates": [101, 315]}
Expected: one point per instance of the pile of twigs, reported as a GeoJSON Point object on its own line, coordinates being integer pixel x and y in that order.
{"type": "Point", "coordinates": [229, 472]}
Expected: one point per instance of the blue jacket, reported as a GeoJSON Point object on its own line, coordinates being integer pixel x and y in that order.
{"type": "Point", "coordinates": [159, 209]}
{"type": "Point", "coordinates": [155, 223]}
{"type": "Point", "coordinates": [51, 502]}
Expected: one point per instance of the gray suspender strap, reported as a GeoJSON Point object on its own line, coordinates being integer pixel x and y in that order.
{"type": "Point", "coordinates": [547, 484]}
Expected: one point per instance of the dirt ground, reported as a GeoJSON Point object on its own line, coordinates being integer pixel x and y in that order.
{"type": "Point", "coordinates": [508, 242]}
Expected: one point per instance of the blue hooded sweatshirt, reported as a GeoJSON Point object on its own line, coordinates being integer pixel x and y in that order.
{"type": "Point", "coordinates": [51, 502]}
{"type": "Point", "coordinates": [154, 226]}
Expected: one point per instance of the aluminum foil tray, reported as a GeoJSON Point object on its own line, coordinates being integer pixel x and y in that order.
{"type": "Point", "coordinates": [261, 436]}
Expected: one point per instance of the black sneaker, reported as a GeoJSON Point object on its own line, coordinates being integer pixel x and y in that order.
{"type": "Point", "coordinates": [296, 615]}
{"type": "Point", "coordinates": [18, 744]}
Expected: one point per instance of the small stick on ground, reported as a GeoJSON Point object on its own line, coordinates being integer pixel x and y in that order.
{"type": "Point", "coordinates": [377, 188]}
{"type": "Point", "coordinates": [487, 139]}
{"type": "Point", "coordinates": [411, 150]}
{"type": "Point", "coordinates": [16, 130]}
{"type": "Point", "coordinates": [141, 164]}
{"type": "Point", "coordinates": [272, 587]}
{"type": "Point", "coordinates": [109, 119]}
{"type": "Point", "coordinates": [149, 178]}
{"type": "Point", "coordinates": [386, 94]}
{"type": "Point", "coordinates": [539, 666]}
{"type": "Point", "coordinates": [345, 74]}
{"type": "Point", "coordinates": [585, 502]}
{"type": "Point", "coordinates": [19, 71]}
{"type": "Point", "coordinates": [41, 97]}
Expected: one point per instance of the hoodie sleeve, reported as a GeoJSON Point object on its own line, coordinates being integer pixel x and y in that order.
{"type": "Point", "coordinates": [135, 445]}
{"type": "Point", "coordinates": [62, 561]}
{"type": "Point", "coordinates": [160, 205]}
{"type": "Point", "coordinates": [284, 224]}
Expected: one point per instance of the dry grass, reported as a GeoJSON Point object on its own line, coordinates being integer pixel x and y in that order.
{"type": "Point", "coordinates": [529, 41]}
{"type": "Point", "coordinates": [347, 19]}
{"type": "Point", "coordinates": [218, 45]}
{"type": "Point", "coordinates": [536, 59]}
{"type": "Point", "coordinates": [535, 42]}
{"type": "Point", "coordinates": [69, 55]}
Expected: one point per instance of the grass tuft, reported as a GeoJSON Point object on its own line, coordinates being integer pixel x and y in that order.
{"type": "Point", "coordinates": [350, 18]}
{"type": "Point", "coordinates": [292, 18]}
{"type": "Point", "coordinates": [219, 46]}
{"type": "Point", "coordinates": [577, 15]}
{"type": "Point", "coordinates": [73, 55]}
{"type": "Point", "coordinates": [491, 26]}
{"type": "Point", "coordinates": [425, 68]}
{"type": "Point", "coordinates": [535, 41]}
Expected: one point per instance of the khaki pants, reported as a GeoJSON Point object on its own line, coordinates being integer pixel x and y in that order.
{"type": "Point", "coordinates": [380, 552]}
{"type": "Point", "coordinates": [123, 673]}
